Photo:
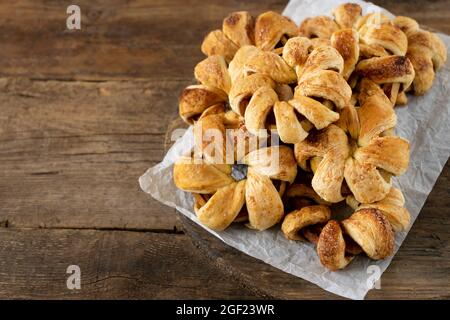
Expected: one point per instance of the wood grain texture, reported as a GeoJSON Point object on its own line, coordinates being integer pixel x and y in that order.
{"type": "Point", "coordinates": [113, 264]}
{"type": "Point", "coordinates": [84, 114]}
{"type": "Point", "coordinates": [119, 39]}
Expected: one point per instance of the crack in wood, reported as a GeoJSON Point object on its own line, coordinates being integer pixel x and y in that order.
{"type": "Point", "coordinates": [44, 173]}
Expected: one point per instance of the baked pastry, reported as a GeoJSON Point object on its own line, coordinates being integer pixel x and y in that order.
{"type": "Point", "coordinates": [392, 207]}
{"type": "Point", "coordinates": [220, 198]}
{"type": "Point", "coordinates": [318, 27]}
{"type": "Point", "coordinates": [366, 160]}
{"type": "Point", "coordinates": [320, 88]}
{"type": "Point", "coordinates": [269, 32]}
{"type": "Point", "coordinates": [425, 50]}
{"type": "Point", "coordinates": [367, 227]}
{"type": "Point", "coordinates": [346, 42]}
{"type": "Point", "coordinates": [272, 30]}
{"type": "Point", "coordinates": [383, 46]}
{"type": "Point", "coordinates": [346, 15]}
{"type": "Point", "coordinates": [370, 229]}
{"type": "Point", "coordinates": [329, 88]}
{"type": "Point", "coordinates": [237, 30]}
{"type": "Point", "coordinates": [383, 42]}
{"type": "Point", "coordinates": [310, 213]}
{"type": "Point", "coordinates": [396, 76]}
{"type": "Point", "coordinates": [207, 172]}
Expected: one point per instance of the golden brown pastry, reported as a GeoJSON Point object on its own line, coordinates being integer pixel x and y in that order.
{"type": "Point", "coordinates": [268, 32]}
{"type": "Point", "coordinates": [371, 19]}
{"type": "Point", "coordinates": [321, 77]}
{"type": "Point", "coordinates": [243, 89]}
{"type": "Point", "coordinates": [331, 247]}
{"type": "Point", "coordinates": [346, 139]}
{"type": "Point", "coordinates": [216, 43]}
{"type": "Point", "coordinates": [236, 68]}
{"type": "Point", "coordinates": [210, 135]}
{"type": "Point", "coordinates": [273, 30]}
{"type": "Point", "coordinates": [213, 72]}
{"type": "Point", "coordinates": [384, 46]}
{"type": "Point", "coordinates": [367, 161]}
{"type": "Point", "coordinates": [237, 30]}
{"type": "Point", "coordinates": [219, 198]}
{"type": "Point", "coordinates": [394, 73]}
{"type": "Point", "coordinates": [310, 213]}
{"type": "Point", "coordinates": [371, 231]}
{"type": "Point", "coordinates": [425, 50]}
{"type": "Point", "coordinates": [270, 64]}
{"type": "Point", "coordinates": [195, 99]}
{"type": "Point", "coordinates": [321, 88]}
{"type": "Point", "coordinates": [297, 220]}
{"type": "Point", "coordinates": [392, 207]}
{"type": "Point", "coordinates": [215, 84]}
{"type": "Point", "coordinates": [347, 14]}
{"type": "Point", "coordinates": [346, 42]}
{"type": "Point", "coordinates": [331, 147]}
{"type": "Point", "coordinates": [368, 228]}
{"type": "Point", "coordinates": [375, 35]}
{"type": "Point", "coordinates": [385, 34]}
{"type": "Point", "coordinates": [318, 27]}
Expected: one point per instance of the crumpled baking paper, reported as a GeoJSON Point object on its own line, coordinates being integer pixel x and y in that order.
{"type": "Point", "coordinates": [425, 122]}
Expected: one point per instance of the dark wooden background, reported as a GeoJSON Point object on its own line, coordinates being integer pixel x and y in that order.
{"type": "Point", "coordinates": [84, 114]}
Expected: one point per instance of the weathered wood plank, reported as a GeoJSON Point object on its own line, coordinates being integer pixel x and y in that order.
{"type": "Point", "coordinates": [114, 265]}
{"type": "Point", "coordinates": [71, 153]}
{"type": "Point", "coordinates": [419, 270]}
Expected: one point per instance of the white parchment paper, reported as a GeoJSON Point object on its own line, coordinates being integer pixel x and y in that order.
{"type": "Point", "coordinates": [425, 122]}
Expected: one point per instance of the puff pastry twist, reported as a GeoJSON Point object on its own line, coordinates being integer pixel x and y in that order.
{"type": "Point", "coordinates": [371, 227]}
{"type": "Point", "coordinates": [215, 82]}
{"type": "Point", "coordinates": [269, 31]}
{"type": "Point", "coordinates": [384, 43]}
{"type": "Point", "coordinates": [367, 157]}
{"type": "Point", "coordinates": [345, 16]}
{"type": "Point", "coordinates": [383, 47]}
{"type": "Point", "coordinates": [310, 214]}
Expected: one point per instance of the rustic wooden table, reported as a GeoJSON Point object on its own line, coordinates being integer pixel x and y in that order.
{"type": "Point", "coordinates": [84, 114]}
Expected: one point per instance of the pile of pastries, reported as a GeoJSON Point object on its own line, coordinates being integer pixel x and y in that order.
{"type": "Point", "coordinates": [327, 90]}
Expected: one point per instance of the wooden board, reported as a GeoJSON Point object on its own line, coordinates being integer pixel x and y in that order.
{"type": "Point", "coordinates": [84, 114]}
{"type": "Point", "coordinates": [72, 152]}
